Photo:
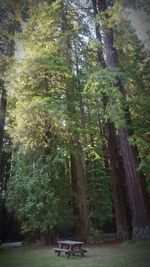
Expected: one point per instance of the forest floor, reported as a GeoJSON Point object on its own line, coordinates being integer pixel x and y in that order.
{"type": "Point", "coordinates": [127, 254]}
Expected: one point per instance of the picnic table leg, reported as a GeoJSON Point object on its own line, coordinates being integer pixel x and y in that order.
{"type": "Point", "coordinates": [69, 252]}
{"type": "Point", "coordinates": [82, 253]}
{"type": "Point", "coordinates": [59, 251]}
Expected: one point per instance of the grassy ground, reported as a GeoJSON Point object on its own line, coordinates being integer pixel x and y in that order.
{"type": "Point", "coordinates": [115, 255]}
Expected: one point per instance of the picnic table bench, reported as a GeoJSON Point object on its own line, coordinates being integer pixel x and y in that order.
{"type": "Point", "coordinates": [70, 247]}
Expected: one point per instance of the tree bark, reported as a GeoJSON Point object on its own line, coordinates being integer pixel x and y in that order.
{"type": "Point", "coordinates": [77, 174]}
{"type": "Point", "coordinates": [79, 201]}
{"type": "Point", "coordinates": [2, 117]}
{"type": "Point", "coordinates": [138, 196]}
{"type": "Point", "coordinates": [116, 168]}
{"type": "Point", "coordinates": [6, 50]}
{"type": "Point", "coordinates": [118, 183]}
{"type": "Point", "coordinates": [77, 170]}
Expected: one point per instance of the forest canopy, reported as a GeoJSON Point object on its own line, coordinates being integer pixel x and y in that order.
{"type": "Point", "coordinates": [74, 120]}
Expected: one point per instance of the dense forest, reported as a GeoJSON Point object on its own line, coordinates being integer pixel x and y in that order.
{"type": "Point", "coordinates": [74, 120]}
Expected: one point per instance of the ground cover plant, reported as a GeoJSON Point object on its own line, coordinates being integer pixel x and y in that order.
{"type": "Point", "coordinates": [106, 255]}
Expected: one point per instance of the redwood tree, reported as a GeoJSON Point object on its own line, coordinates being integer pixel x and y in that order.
{"type": "Point", "coordinates": [138, 197]}
{"type": "Point", "coordinates": [114, 158]}
{"type": "Point", "coordinates": [76, 162]}
{"type": "Point", "coordinates": [7, 27]}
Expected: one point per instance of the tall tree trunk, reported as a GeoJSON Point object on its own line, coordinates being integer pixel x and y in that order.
{"type": "Point", "coordinates": [2, 117]}
{"type": "Point", "coordinates": [2, 124]}
{"type": "Point", "coordinates": [116, 168]}
{"type": "Point", "coordinates": [6, 50]}
{"type": "Point", "coordinates": [77, 170]}
{"type": "Point", "coordinates": [121, 213]}
{"type": "Point", "coordinates": [138, 197]}
{"type": "Point", "coordinates": [77, 173]}
{"type": "Point", "coordinates": [78, 188]}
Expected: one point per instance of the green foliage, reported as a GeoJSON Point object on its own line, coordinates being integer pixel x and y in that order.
{"type": "Point", "coordinates": [134, 63]}
{"type": "Point", "coordinates": [38, 191]}
{"type": "Point", "coordinates": [99, 194]}
{"type": "Point", "coordinates": [56, 96]}
{"type": "Point", "coordinates": [103, 84]}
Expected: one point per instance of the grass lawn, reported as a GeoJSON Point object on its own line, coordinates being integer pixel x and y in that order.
{"type": "Point", "coordinates": [111, 255]}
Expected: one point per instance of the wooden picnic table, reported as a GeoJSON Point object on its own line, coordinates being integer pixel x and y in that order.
{"type": "Point", "coordinates": [70, 247]}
